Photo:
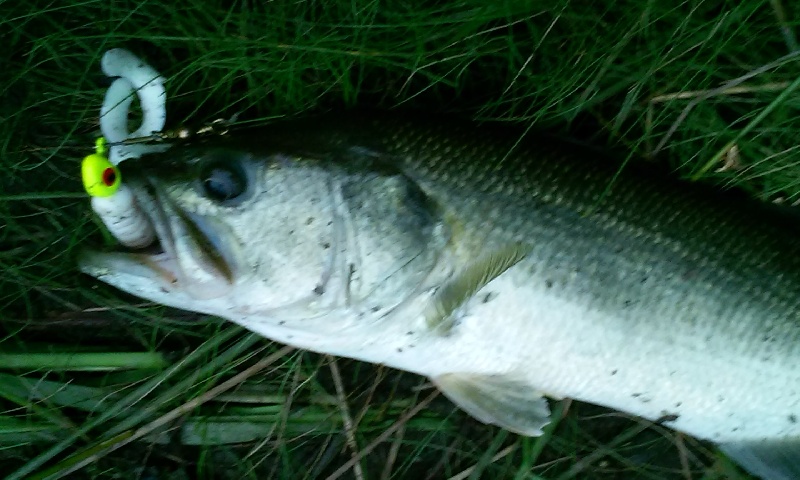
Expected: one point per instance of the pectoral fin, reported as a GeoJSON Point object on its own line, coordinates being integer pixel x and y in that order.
{"type": "Point", "coordinates": [770, 459]}
{"type": "Point", "coordinates": [467, 282]}
{"type": "Point", "coordinates": [498, 400]}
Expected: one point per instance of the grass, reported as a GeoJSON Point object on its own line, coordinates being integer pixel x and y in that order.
{"type": "Point", "coordinates": [98, 382]}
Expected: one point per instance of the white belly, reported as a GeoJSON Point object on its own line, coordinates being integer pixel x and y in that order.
{"type": "Point", "coordinates": [650, 370]}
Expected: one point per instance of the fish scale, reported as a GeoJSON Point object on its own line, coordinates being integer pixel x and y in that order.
{"type": "Point", "coordinates": [725, 247]}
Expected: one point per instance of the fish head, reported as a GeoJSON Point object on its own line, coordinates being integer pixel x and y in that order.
{"type": "Point", "coordinates": [277, 236]}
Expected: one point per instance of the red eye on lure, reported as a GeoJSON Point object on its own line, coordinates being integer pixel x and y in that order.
{"type": "Point", "coordinates": [109, 177]}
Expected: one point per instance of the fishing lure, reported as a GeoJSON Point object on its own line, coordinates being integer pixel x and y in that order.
{"type": "Point", "coordinates": [111, 200]}
{"type": "Point", "coordinates": [134, 78]}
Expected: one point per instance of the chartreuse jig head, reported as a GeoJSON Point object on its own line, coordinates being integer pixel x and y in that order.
{"type": "Point", "coordinates": [100, 177]}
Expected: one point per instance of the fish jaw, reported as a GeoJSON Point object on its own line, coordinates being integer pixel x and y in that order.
{"type": "Point", "coordinates": [149, 276]}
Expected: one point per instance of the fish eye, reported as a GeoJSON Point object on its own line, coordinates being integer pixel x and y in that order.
{"type": "Point", "coordinates": [222, 180]}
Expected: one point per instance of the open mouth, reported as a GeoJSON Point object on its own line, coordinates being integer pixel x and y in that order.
{"type": "Point", "coordinates": [188, 254]}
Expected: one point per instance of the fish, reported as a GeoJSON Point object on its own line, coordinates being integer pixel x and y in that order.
{"type": "Point", "coordinates": [507, 271]}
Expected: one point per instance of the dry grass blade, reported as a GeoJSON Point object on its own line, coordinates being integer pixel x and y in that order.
{"type": "Point", "coordinates": [384, 436]}
{"type": "Point", "coordinates": [467, 472]}
{"type": "Point", "coordinates": [80, 460]}
{"type": "Point", "coordinates": [349, 427]}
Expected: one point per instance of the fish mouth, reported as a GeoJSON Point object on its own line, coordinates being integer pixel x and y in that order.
{"type": "Point", "coordinates": [189, 256]}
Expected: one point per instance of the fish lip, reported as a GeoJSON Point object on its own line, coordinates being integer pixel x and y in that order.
{"type": "Point", "coordinates": [161, 261]}
{"type": "Point", "coordinates": [152, 207]}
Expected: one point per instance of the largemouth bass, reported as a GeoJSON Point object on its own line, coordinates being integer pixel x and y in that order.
{"type": "Point", "coordinates": [505, 272]}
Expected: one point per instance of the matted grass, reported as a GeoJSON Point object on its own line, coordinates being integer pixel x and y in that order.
{"type": "Point", "coordinates": [101, 383]}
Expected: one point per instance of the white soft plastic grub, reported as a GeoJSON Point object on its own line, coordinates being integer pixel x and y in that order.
{"type": "Point", "coordinates": [135, 78]}
{"type": "Point", "coordinates": [120, 212]}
